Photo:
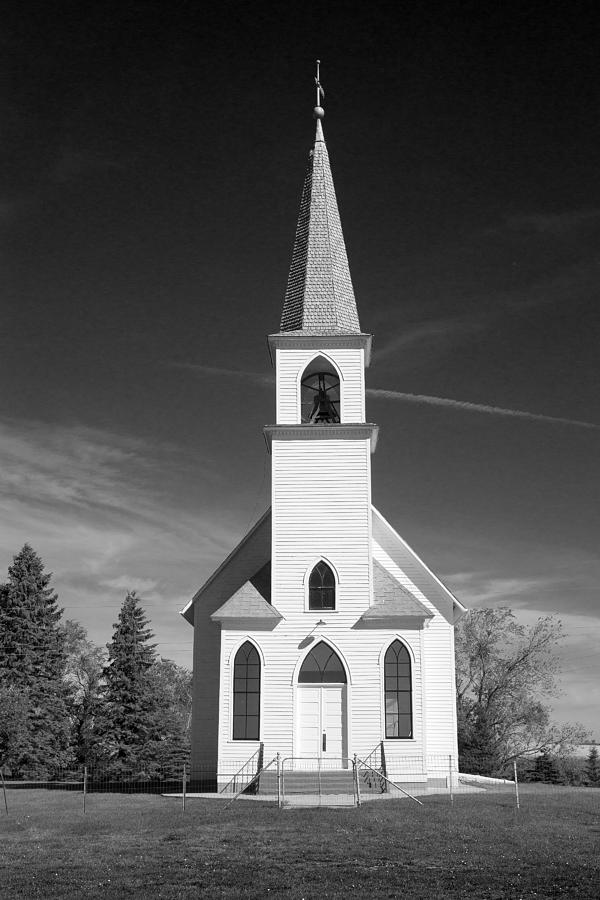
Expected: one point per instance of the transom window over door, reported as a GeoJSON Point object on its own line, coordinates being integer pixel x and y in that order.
{"type": "Point", "coordinates": [322, 666]}
{"type": "Point", "coordinates": [398, 692]}
{"type": "Point", "coordinates": [246, 694]}
{"type": "Point", "coordinates": [321, 587]}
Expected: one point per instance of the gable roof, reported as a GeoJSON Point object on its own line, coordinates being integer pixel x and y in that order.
{"type": "Point", "coordinates": [413, 566]}
{"type": "Point", "coordinates": [246, 603]}
{"type": "Point", "coordinates": [245, 562]}
{"type": "Point", "coordinates": [392, 600]}
{"type": "Point", "coordinates": [319, 298]}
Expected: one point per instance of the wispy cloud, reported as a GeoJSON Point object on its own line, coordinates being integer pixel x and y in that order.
{"type": "Point", "coordinates": [557, 224]}
{"type": "Point", "coordinates": [106, 515]}
{"type": "Point", "coordinates": [265, 380]}
{"type": "Point", "coordinates": [442, 332]}
{"type": "Point", "coordinates": [465, 406]}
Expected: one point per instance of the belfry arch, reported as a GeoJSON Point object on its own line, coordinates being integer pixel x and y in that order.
{"type": "Point", "coordinates": [320, 392]}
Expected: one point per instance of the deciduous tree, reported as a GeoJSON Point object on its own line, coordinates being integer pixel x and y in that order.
{"type": "Point", "coordinates": [505, 673]}
{"type": "Point", "coordinates": [83, 674]}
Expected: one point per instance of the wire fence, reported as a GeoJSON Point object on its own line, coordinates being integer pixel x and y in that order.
{"type": "Point", "coordinates": [302, 781]}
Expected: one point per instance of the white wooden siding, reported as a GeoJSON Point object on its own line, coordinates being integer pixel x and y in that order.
{"type": "Point", "coordinates": [207, 686]}
{"type": "Point", "coordinates": [290, 364]}
{"type": "Point", "coordinates": [362, 651]}
{"type": "Point", "coordinates": [438, 650]}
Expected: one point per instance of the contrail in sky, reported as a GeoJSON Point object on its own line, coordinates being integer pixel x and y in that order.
{"type": "Point", "coordinates": [477, 407]}
{"type": "Point", "coordinates": [267, 380]}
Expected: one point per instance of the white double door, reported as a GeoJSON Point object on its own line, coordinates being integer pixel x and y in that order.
{"type": "Point", "coordinates": [322, 721]}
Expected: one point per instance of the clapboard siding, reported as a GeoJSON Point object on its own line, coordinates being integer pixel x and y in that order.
{"type": "Point", "coordinates": [438, 650]}
{"type": "Point", "coordinates": [248, 558]}
{"type": "Point", "coordinates": [290, 365]}
{"type": "Point", "coordinates": [321, 508]}
{"type": "Point", "coordinates": [362, 652]}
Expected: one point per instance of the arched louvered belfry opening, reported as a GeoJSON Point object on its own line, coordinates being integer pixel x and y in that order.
{"type": "Point", "coordinates": [321, 587]}
{"type": "Point", "coordinates": [398, 692]}
{"type": "Point", "coordinates": [322, 666]}
{"type": "Point", "coordinates": [320, 393]}
{"type": "Point", "coordinates": [246, 694]}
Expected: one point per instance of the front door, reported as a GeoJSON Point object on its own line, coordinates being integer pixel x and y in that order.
{"type": "Point", "coordinates": [322, 721]}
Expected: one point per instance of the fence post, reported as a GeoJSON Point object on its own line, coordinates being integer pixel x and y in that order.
{"type": "Point", "coordinates": [4, 789]}
{"type": "Point", "coordinates": [356, 781]}
{"type": "Point", "coordinates": [279, 780]}
{"type": "Point", "coordinates": [516, 783]}
{"type": "Point", "coordinates": [183, 787]}
{"type": "Point", "coordinates": [85, 777]}
{"type": "Point", "coordinates": [450, 778]}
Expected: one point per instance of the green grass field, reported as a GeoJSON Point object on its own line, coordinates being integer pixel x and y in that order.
{"type": "Point", "coordinates": [145, 846]}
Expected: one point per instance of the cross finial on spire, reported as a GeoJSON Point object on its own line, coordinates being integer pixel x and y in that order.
{"type": "Point", "coordinates": [318, 110]}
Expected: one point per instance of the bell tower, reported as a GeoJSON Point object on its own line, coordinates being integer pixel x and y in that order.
{"type": "Point", "coordinates": [321, 442]}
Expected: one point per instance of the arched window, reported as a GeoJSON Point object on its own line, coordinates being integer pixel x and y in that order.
{"type": "Point", "coordinates": [246, 694]}
{"type": "Point", "coordinates": [321, 587]}
{"type": "Point", "coordinates": [322, 666]}
{"type": "Point", "coordinates": [320, 393]}
{"type": "Point", "coordinates": [398, 692]}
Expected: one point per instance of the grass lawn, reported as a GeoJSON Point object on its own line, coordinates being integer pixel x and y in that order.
{"type": "Point", "coordinates": [130, 846]}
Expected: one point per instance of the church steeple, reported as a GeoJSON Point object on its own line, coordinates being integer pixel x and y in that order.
{"type": "Point", "coordinates": [319, 298]}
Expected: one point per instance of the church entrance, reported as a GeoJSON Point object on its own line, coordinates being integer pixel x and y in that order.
{"type": "Point", "coordinates": [321, 718]}
{"type": "Point", "coordinates": [321, 706]}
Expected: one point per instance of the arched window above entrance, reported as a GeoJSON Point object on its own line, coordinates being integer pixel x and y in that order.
{"type": "Point", "coordinates": [322, 666]}
{"type": "Point", "coordinates": [321, 587]}
{"type": "Point", "coordinates": [320, 393]}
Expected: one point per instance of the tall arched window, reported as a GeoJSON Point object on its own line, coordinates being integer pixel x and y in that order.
{"type": "Point", "coordinates": [320, 393]}
{"type": "Point", "coordinates": [398, 692]}
{"type": "Point", "coordinates": [321, 587]}
{"type": "Point", "coordinates": [322, 666]}
{"type": "Point", "coordinates": [246, 694]}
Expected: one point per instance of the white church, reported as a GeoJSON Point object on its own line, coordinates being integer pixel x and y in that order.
{"type": "Point", "coordinates": [323, 634]}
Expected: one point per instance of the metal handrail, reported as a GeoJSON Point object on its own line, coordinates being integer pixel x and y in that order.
{"type": "Point", "coordinates": [245, 788]}
{"type": "Point", "coordinates": [393, 784]}
{"type": "Point", "coordinates": [239, 771]}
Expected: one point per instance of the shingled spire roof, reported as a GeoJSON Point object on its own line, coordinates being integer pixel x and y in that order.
{"type": "Point", "coordinates": [319, 298]}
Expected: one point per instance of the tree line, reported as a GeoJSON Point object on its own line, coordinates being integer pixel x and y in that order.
{"type": "Point", "coordinates": [65, 702]}
{"type": "Point", "coordinates": [506, 674]}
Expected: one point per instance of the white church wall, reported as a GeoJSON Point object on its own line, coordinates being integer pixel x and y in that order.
{"type": "Point", "coordinates": [439, 692]}
{"type": "Point", "coordinates": [321, 507]}
{"type": "Point", "coordinates": [282, 652]}
{"type": "Point", "coordinates": [247, 560]}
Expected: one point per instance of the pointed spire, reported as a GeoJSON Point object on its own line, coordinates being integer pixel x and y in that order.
{"type": "Point", "coordinates": [319, 298]}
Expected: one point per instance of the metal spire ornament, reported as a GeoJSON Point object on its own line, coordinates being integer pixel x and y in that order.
{"type": "Point", "coordinates": [318, 111]}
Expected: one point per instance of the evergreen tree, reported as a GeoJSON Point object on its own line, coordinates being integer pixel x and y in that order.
{"type": "Point", "coordinates": [545, 769]}
{"type": "Point", "coordinates": [32, 663]}
{"type": "Point", "coordinates": [592, 768]}
{"type": "Point", "coordinates": [138, 728]}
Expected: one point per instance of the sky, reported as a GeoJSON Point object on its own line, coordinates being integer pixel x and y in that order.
{"type": "Point", "coordinates": [154, 160]}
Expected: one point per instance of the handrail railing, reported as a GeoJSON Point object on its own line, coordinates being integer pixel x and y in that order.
{"type": "Point", "coordinates": [393, 784]}
{"type": "Point", "coordinates": [245, 788]}
{"type": "Point", "coordinates": [376, 762]}
{"type": "Point", "coordinates": [232, 781]}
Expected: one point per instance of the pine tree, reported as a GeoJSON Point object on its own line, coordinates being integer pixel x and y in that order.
{"type": "Point", "coordinates": [546, 769]}
{"type": "Point", "coordinates": [32, 662]}
{"type": "Point", "coordinates": [138, 728]}
{"type": "Point", "coordinates": [592, 768]}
